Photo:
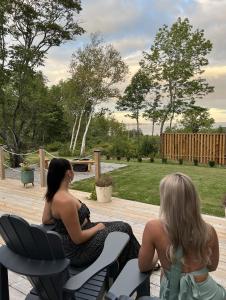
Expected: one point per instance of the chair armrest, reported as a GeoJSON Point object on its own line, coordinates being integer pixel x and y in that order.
{"type": "Point", "coordinates": [113, 246]}
{"type": "Point", "coordinates": [31, 267]}
{"type": "Point", "coordinates": [128, 280]}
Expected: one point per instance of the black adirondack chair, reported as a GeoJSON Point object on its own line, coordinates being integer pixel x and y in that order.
{"type": "Point", "coordinates": [128, 281]}
{"type": "Point", "coordinates": [32, 251]}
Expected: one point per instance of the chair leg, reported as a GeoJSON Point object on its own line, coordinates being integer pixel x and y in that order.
{"type": "Point", "coordinates": [4, 286]}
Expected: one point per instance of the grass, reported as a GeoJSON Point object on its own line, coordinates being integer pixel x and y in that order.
{"type": "Point", "coordinates": [140, 182]}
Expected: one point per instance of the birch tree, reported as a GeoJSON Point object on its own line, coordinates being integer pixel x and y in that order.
{"type": "Point", "coordinates": [96, 70]}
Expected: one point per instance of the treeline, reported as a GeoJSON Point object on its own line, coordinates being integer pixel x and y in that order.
{"type": "Point", "coordinates": [70, 115]}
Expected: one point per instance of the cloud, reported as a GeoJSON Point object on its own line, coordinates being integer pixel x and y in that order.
{"type": "Point", "coordinates": [131, 25]}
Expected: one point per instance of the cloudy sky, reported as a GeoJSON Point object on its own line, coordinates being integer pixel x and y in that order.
{"type": "Point", "coordinates": [131, 25]}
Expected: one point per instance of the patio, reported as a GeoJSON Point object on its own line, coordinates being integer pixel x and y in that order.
{"type": "Point", "coordinates": [28, 203]}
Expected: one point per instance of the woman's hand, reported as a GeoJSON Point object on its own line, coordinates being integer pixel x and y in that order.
{"type": "Point", "coordinates": [100, 226]}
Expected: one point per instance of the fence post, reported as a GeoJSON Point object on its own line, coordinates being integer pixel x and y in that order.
{"type": "Point", "coordinates": [2, 167]}
{"type": "Point", "coordinates": [42, 167]}
{"type": "Point", "coordinates": [97, 164]}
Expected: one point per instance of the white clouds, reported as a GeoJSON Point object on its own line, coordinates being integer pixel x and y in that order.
{"type": "Point", "coordinates": [108, 16]}
{"type": "Point", "coordinates": [130, 25]}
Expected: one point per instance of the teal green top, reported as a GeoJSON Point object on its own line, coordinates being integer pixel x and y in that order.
{"type": "Point", "coordinates": [182, 286]}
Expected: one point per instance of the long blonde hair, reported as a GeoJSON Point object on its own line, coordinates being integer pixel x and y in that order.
{"type": "Point", "coordinates": [180, 211]}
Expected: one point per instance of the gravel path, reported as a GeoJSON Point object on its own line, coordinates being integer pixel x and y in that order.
{"type": "Point", "coordinates": [105, 168]}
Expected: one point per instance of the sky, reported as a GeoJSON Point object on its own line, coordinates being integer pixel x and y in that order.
{"type": "Point", "coordinates": [131, 25]}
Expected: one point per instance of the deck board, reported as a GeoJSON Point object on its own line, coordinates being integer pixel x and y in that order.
{"type": "Point", "coordinates": [28, 203]}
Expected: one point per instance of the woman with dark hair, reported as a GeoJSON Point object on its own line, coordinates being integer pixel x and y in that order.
{"type": "Point", "coordinates": [83, 240]}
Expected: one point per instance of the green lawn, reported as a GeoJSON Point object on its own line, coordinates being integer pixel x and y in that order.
{"type": "Point", "coordinates": [140, 182]}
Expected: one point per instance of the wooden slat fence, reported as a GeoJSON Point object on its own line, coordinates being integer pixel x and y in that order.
{"type": "Point", "coordinates": [189, 146]}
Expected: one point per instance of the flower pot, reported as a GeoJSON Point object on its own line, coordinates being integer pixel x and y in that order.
{"type": "Point", "coordinates": [104, 193]}
{"type": "Point", "coordinates": [27, 177]}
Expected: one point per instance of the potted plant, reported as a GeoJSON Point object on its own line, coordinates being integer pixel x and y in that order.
{"type": "Point", "coordinates": [27, 173]}
{"type": "Point", "coordinates": [104, 189]}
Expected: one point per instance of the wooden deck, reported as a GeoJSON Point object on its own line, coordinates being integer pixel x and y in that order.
{"type": "Point", "coordinates": [28, 203]}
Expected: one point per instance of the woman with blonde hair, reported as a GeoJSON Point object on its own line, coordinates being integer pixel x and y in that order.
{"type": "Point", "coordinates": [186, 245]}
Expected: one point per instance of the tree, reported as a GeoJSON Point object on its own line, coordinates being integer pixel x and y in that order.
{"type": "Point", "coordinates": [96, 69]}
{"type": "Point", "coordinates": [175, 63]}
{"type": "Point", "coordinates": [152, 112]}
{"type": "Point", "coordinates": [133, 99]}
{"type": "Point", "coordinates": [31, 28]}
{"type": "Point", "coordinates": [196, 119]}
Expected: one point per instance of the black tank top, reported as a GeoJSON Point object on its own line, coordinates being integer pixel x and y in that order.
{"type": "Point", "coordinates": [83, 213]}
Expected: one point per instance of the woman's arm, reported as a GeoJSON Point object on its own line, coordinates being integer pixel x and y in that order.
{"type": "Point", "coordinates": [148, 257]}
{"type": "Point", "coordinates": [214, 246]}
{"type": "Point", "coordinates": [47, 216]}
{"type": "Point", "coordinates": [69, 215]}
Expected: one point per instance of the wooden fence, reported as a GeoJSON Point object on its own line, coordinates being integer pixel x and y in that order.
{"type": "Point", "coordinates": [189, 146]}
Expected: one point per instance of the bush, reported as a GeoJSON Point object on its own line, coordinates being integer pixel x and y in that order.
{"type": "Point", "coordinates": [152, 159]}
{"type": "Point", "coordinates": [128, 158]}
{"type": "Point", "coordinates": [180, 161]}
{"type": "Point", "coordinates": [118, 157]}
{"type": "Point", "coordinates": [149, 145]}
{"type": "Point", "coordinates": [108, 157]}
{"type": "Point", "coordinates": [211, 163]}
{"type": "Point", "coordinates": [164, 160]}
{"type": "Point", "coordinates": [196, 162]}
{"type": "Point", "coordinates": [55, 146]}
{"type": "Point", "coordinates": [139, 159]}
{"type": "Point", "coordinates": [93, 195]}
{"type": "Point", "coordinates": [119, 148]}
{"type": "Point", "coordinates": [64, 151]}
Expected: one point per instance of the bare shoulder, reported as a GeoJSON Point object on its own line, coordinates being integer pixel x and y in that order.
{"type": "Point", "coordinates": [62, 198]}
{"type": "Point", "coordinates": [154, 226]}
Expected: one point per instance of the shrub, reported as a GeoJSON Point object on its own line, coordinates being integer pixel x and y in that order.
{"type": "Point", "coordinates": [64, 152]}
{"type": "Point", "coordinates": [119, 148]}
{"type": "Point", "coordinates": [104, 180]}
{"type": "Point", "coordinates": [149, 145]}
{"type": "Point", "coordinates": [93, 195]}
{"type": "Point", "coordinates": [152, 159]}
{"type": "Point", "coordinates": [108, 157]}
{"type": "Point", "coordinates": [180, 161]}
{"type": "Point", "coordinates": [196, 162]}
{"type": "Point", "coordinates": [128, 158]}
{"type": "Point", "coordinates": [139, 159]}
{"type": "Point", "coordinates": [55, 146]}
{"type": "Point", "coordinates": [211, 163]}
{"type": "Point", "coordinates": [164, 160]}
{"type": "Point", "coordinates": [118, 157]}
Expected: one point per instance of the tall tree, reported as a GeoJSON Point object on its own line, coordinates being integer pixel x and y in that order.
{"type": "Point", "coordinates": [96, 70]}
{"type": "Point", "coordinates": [133, 99]}
{"type": "Point", "coordinates": [175, 62]}
{"type": "Point", "coordinates": [152, 111]}
{"type": "Point", "coordinates": [31, 28]}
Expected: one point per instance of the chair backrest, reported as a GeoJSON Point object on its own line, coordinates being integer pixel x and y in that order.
{"type": "Point", "coordinates": [33, 242]}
